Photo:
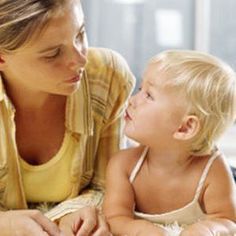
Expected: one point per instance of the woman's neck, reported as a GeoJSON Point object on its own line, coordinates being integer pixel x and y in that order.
{"type": "Point", "coordinates": [24, 99]}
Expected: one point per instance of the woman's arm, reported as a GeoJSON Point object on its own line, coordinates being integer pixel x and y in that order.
{"type": "Point", "coordinates": [110, 82]}
{"type": "Point", "coordinates": [26, 222]}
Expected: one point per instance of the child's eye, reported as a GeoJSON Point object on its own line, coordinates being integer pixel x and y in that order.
{"type": "Point", "coordinates": [145, 93]}
{"type": "Point", "coordinates": [53, 55]}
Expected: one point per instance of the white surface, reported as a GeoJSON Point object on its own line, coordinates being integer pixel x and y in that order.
{"type": "Point", "coordinates": [227, 145]}
{"type": "Point", "coordinates": [169, 28]}
{"type": "Point", "coordinates": [129, 1]}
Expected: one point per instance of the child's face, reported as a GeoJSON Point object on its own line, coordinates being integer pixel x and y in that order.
{"type": "Point", "coordinates": [155, 112]}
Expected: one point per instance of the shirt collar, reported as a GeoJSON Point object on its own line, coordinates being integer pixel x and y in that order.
{"type": "Point", "coordinates": [79, 117]}
{"type": "Point", "coordinates": [2, 90]}
{"type": "Point", "coordinates": [3, 96]}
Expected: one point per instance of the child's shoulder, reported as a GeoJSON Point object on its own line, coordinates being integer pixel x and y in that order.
{"type": "Point", "coordinates": [219, 169]}
{"type": "Point", "coordinates": [126, 159]}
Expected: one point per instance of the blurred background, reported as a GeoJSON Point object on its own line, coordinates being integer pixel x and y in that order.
{"type": "Point", "coordinates": [139, 29]}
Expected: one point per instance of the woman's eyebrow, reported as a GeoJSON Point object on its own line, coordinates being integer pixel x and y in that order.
{"type": "Point", "coordinates": [50, 48]}
{"type": "Point", "coordinates": [81, 27]}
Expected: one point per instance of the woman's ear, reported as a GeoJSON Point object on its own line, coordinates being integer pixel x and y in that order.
{"type": "Point", "coordinates": [2, 62]}
{"type": "Point", "coordinates": [189, 127]}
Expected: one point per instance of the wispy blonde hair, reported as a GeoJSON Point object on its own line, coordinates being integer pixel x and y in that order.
{"type": "Point", "coordinates": [20, 20]}
{"type": "Point", "coordinates": [209, 85]}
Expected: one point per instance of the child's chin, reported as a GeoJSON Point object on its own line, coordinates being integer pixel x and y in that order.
{"type": "Point", "coordinates": [131, 136]}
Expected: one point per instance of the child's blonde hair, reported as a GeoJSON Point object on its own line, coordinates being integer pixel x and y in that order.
{"type": "Point", "coordinates": [209, 86]}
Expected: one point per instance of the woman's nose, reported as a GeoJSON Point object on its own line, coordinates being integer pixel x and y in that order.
{"type": "Point", "coordinates": [78, 58]}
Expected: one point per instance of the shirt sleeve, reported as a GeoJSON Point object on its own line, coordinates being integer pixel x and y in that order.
{"type": "Point", "coordinates": [111, 138]}
{"type": "Point", "coordinates": [89, 197]}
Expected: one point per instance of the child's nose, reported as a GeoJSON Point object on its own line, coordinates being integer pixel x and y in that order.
{"type": "Point", "coordinates": [131, 101]}
{"type": "Point", "coordinates": [134, 100]}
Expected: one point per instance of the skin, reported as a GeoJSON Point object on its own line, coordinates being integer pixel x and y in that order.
{"type": "Point", "coordinates": [148, 120]}
{"type": "Point", "coordinates": [27, 222]}
{"type": "Point", "coordinates": [48, 68]}
{"type": "Point", "coordinates": [33, 71]}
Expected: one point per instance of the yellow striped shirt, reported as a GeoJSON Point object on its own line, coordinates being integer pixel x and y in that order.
{"type": "Point", "coordinates": [93, 118]}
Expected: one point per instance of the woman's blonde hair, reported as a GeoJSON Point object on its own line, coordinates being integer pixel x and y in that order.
{"type": "Point", "coordinates": [209, 85]}
{"type": "Point", "coordinates": [20, 20]}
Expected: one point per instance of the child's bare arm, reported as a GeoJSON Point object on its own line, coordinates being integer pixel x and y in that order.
{"type": "Point", "coordinates": [214, 227]}
{"type": "Point", "coordinates": [219, 201]}
{"type": "Point", "coordinates": [119, 202]}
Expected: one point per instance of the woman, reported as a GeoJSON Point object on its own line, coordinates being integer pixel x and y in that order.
{"type": "Point", "coordinates": [61, 107]}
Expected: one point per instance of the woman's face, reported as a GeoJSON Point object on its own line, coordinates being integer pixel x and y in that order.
{"type": "Point", "coordinates": [54, 62]}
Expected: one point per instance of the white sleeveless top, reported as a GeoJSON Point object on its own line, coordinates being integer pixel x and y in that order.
{"type": "Point", "coordinates": [186, 215]}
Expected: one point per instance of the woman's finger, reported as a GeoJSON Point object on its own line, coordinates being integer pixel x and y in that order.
{"type": "Point", "coordinates": [102, 228]}
{"type": "Point", "coordinates": [48, 226]}
{"type": "Point", "coordinates": [89, 222]}
{"type": "Point", "coordinates": [29, 227]}
{"type": "Point", "coordinates": [66, 229]}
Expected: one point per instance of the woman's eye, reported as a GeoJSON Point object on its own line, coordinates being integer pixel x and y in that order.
{"type": "Point", "coordinates": [81, 35]}
{"type": "Point", "coordinates": [53, 55]}
{"type": "Point", "coordinates": [149, 96]}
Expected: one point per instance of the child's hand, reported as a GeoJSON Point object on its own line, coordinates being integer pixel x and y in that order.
{"type": "Point", "coordinates": [152, 231]}
{"type": "Point", "coordinates": [197, 229]}
{"type": "Point", "coordinates": [85, 221]}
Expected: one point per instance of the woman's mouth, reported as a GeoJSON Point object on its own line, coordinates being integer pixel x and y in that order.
{"type": "Point", "coordinates": [127, 116]}
{"type": "Point", "coordinates": [76, 78]}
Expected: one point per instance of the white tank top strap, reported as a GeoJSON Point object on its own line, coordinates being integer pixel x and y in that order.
{"type": "Point", "coordinates": [204, 174]}
{"type": "Point", "coordinates": [138, 165]}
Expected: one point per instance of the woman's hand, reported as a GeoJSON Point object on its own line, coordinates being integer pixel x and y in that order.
{"type": "Point", "coordinates": [86, 221]}
{"type": "Point", "coordinates": [27, 223]}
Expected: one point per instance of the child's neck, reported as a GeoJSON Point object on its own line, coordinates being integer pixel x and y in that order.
{"type": "Point", "coordinates": [169, 159]}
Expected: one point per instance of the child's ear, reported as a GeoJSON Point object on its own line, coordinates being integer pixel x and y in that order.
{"type": "Point", "coordinates": [188, 128]}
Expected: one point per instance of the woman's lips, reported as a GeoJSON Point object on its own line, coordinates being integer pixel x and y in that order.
{"type": "Point", "coordinates": [77, 77]}
{"type": "Point", "coordinates": [127, 116]}
{"type": "Point", "coordinates": [74, 79]}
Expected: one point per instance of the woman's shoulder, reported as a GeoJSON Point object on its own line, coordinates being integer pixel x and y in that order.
{"type": "Point", "coordinates": [110, 83]}
{"type": "Point", "coordinates": [105, 57]}
{"type": "Point", "coordinates": [104, 61]}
